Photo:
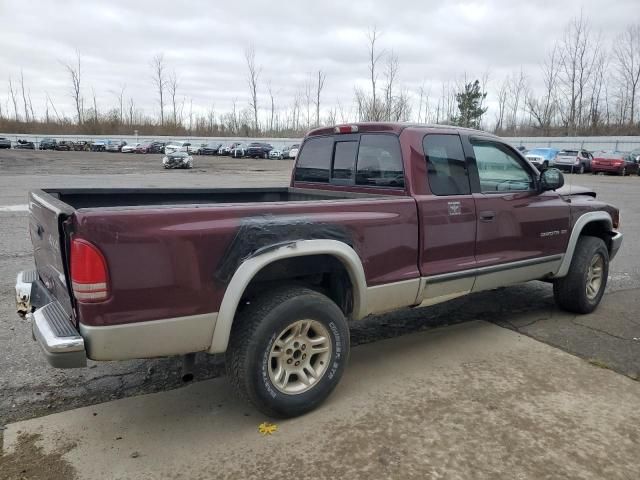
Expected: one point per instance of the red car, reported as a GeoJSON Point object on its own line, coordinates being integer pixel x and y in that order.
{"type": "Point", "coordinates": [378, 216]}
{"type": "Point", "coordinates": [143, 147]}
{"type": "Point", "coordinates": [614, 162]}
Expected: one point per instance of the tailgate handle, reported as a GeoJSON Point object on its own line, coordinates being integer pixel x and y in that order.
{"type": "Point", "coordinates": [487, 216]}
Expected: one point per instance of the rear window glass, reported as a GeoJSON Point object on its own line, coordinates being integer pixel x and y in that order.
{"type": "Point", "coordinates": [314, 161]}
{"type": "Point", "coordinates": [569, 153]}
{"type": "Point", "coordinates": [344, 160]}
{"type": "Point", "coordinates": [371, 160]}
{"type": "Point", "coordinates": [380, 161]}
{"type": "Point", "coordinates": [446, 165]}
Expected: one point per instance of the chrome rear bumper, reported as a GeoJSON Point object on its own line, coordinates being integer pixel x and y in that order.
{"type": "Point", "coordinates": [51, 326]}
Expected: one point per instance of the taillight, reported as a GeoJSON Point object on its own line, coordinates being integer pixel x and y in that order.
{"type": "Point", "coordinates": [346, 129]}
{"type": "Point", "coordinates": [89, 277]}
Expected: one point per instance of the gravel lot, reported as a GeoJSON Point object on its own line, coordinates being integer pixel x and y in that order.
{"type": "Point", "coordinates": [609, 338]}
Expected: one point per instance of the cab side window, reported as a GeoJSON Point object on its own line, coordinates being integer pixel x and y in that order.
{"type": "Point", "coordinates": [500, 169]}
{"type": "Point", "coordinates": [446, 165]}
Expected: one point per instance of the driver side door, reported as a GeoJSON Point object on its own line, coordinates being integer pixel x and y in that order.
{"type": "Point", "coordinates": [520, 231]}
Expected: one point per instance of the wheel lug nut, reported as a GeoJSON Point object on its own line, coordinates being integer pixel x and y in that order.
{"type": "Point", "coordinates": [304, 346]}
{"type": "Point", "coordinates": [304, 356]}
{"type": "Point", "coordinates": [297, 364]}
{"type": "Point", "coordinates": [289, 361]}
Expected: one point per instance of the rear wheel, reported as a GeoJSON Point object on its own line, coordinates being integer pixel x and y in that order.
{"type": "Point", "coordinates": [581, 169]}
{"type": "Point", "coordinates": [582, 289]}
{"type": "Point", "coordinates": [287, 351]}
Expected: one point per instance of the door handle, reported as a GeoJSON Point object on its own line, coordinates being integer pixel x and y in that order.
{"type": "Point", "coordinates": [487, 216]}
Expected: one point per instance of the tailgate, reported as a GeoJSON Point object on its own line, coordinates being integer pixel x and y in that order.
{"type": "Point", "coordinates": [46, 217]}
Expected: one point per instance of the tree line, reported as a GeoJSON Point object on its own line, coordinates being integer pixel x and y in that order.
{"type": "Point", "coordinates": [585, 86]}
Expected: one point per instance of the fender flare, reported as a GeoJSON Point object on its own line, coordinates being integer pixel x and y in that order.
{"type": "Point", "coordinates": [582, 221]}
{"type": "Point", "coordinates": [250, 268]}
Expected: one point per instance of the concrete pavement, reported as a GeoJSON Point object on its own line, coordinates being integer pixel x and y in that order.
{"type": "Point", "coordinates": [469, 401]}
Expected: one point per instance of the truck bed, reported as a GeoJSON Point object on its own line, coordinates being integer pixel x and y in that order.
{"type": "Point", "coordinates": [145, 197]}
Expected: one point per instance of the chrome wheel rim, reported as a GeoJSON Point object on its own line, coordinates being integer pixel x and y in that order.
{"type": "Point", "coordinates": [594, 276]}
{"type": "Point", "coordinates": [300, 357]}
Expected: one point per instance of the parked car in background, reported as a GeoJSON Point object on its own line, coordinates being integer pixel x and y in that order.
{"type": "Point", "coordinates": [5, 142]}
{"type": "Point", "coordinates": [177, 160]}
{"type": "Point", "coordinates": [293, 151]}
{"type": "Point", "coordinates": [142, 147]}
{"type": "Point", "coordinates": [115, 145]}
{"type": "Point", "coordinates": [82, 146]}
{"type": "Point", "coordinates": [25, 145]}
{"type": "Point", "coordinates": [99, 146]}
{"type": "Point", "coordinates": [64, 146]}
{"type": "Point", "coordinates": [129, 148]}
{"type": "Point", "coordinates": [619, 163]}
{"type": "Point", "coordinates": [275, 154]}
{"type": "Point", "coordinates": [542, 157]}
{"type": "Point", "coordinates": [228, 149]}
{"type": "Point", "coordinates": [156, 147]}
{"type": "Point", "coordinates": [239, 151]}
{"type": "Point", "coordinates": [47, 144]}
{"type": "Point", "coordinates": [575, 161]}
{"type": "Point", "coordinates": [178, 146]}
{"type": "Point", "coordinates": [210, 149]}
{"type": "Point", "coordinates": [259, 150]}
{"type": "Point", "coordinates": [635, 154]}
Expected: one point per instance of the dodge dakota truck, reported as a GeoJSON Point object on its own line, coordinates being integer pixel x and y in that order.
{"type": "Point", "coordinates": [377, 217]}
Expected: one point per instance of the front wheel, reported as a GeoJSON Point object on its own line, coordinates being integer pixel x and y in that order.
{"type": "Point", "coordinates": [582, 289]}
{"type": "Point", "coordinates": [580, 169]}
{"type": "Point", "coordinates": [287, 351]}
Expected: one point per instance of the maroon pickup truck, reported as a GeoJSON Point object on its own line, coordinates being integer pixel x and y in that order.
{"type": "Point", "coordinates": [377, 217]}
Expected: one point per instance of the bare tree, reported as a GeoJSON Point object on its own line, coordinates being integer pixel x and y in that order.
{"type": "Point", "coordinates": [172, 86]}
{"type": "Point", "coordinates": [502, 104]}
{"type": "Point", "coordinates": [14, 100]}
{"type": "Point", "coordinates": [391, 73]}
{"type": "Point", "coordinates": [374, 57]}
{"type": "Point", "coordinates": [75, 72]}
{"type": "Point", "coordinates": [627, 55]}
{"type": "Point", "coordinates": [120, 98]}
{"type": "Point", "coordinates": [24, 97]}
{"type": "Point", "coordinates": [160, 81]}
{"type": "Point", "coordinates": [543, 109]}
{"type": "Point", "coordinates": [252, 79]}
{"type": "Point", "coordinates": [53, 106]}
{"type": "Point", "coordinates": [95, 105]}
{"type": "Point", "coordinates": [132, 111]}
{"type": "Point", "coordinates": [273, 107]}
{"type": "Point", "coordinates": [308, 98]}
{"type": "Point", "coordinates": [319, 86]}
{"type": "Point", "coordinates": [517, 90]}
{"type": "Point", "coordinates": [578, 53]}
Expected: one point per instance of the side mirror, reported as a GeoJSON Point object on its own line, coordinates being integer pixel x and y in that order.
{"type": "Point", "coordinates": [551, 179]}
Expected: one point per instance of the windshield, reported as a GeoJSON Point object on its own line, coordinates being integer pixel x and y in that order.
{"type": "Point", "coordinates": [569, 153]}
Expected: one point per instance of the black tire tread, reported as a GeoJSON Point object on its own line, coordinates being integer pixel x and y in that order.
{"type": "Point", "coordinates": [568, 291]}
{"type": "Point", "coordinates": [242, 332]}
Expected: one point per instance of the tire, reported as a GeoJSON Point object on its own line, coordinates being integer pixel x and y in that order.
{"type": "Point", "coordinates": [623, 172]}
{"type": "Point", "coordinates": [255, 334]}
{"type": "Point", "coordinates": [571, 292]}
{"type": "Point", "coordinates": [581, 169]}
{"type": "Point", "coordinates": [265, 156]}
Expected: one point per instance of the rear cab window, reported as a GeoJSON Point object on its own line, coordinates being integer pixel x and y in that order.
{"type": "Point", "coordinates": [367, 159]}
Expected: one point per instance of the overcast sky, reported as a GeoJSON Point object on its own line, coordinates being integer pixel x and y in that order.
{"type": "Point", "coordinates": [204, 41]}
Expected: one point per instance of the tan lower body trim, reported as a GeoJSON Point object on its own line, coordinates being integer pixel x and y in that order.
{"type": "Point", "coordinates": [157, 338]}
{"type": "Point", "coordinates": [391, 296]}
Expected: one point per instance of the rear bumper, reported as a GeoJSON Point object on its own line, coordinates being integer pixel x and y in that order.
{"type": "Point", "coordinates": [606, 169]}
{"type": "Point", "coordinates": [61, 344]}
